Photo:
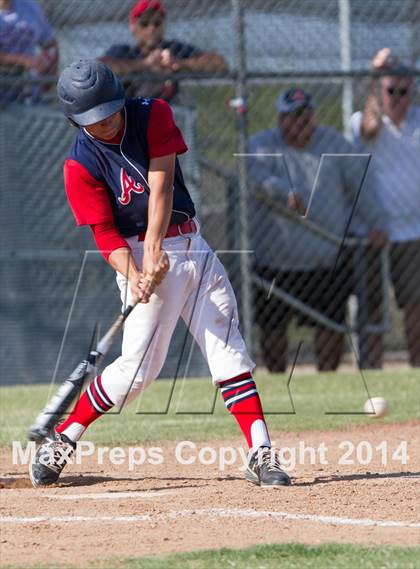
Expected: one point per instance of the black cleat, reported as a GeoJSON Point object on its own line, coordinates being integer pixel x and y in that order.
{"type": "Point", "coordinates": [50, 459]}
{"type": "Point", "coordinates": [264, 469]}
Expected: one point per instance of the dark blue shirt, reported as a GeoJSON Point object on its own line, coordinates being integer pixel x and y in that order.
{"type": "Point", "coordinates": [164, 90]}
{"type": "Point", "coordinates": [178, 49]}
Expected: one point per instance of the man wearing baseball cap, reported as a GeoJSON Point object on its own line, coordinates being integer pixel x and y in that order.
{"type": "Point", "coordinates": [312, 170]}
{"type": "Point", "coordinates": [154, 54]}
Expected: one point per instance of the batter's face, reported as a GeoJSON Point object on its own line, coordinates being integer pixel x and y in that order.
{"type": "Point", "coordinates": [108, 128]}
{"type": "Point", "coordinates": [396, 96]}
{"type": "Point", "coordinates": [298, 126]}
{"type": "Point", "coordinates": [148, 29]}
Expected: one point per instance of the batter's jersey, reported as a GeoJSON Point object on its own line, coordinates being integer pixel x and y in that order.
{"type": "Point", "coordinates": [108, 180]}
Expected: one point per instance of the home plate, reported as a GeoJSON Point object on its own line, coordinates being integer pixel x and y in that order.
{"type": "Point", "coordinates": [146, 494]}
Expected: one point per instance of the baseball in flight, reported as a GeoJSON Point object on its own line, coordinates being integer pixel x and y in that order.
{"type": "Point", "coordinates": [376, 407]}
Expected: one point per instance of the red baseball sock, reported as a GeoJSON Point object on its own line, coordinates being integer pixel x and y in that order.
{"type": "Point", "coordinates": [92, 404]}
{"type": "Point", "coordinates": [242, 400]}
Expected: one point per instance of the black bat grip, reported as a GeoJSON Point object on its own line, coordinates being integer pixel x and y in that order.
{"type": "Point", "coordinates": [128, 311]}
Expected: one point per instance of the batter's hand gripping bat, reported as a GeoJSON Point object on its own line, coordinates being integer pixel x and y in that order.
{"type": "Point", "coordinates": [72, 386]}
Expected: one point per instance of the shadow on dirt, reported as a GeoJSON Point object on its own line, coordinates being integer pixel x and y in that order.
{"type": "Point", "coordinates": [364, 476]}
{"type": "Point", "coordinates": [183, 482]}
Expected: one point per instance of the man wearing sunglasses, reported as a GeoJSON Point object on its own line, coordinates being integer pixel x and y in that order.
{"type": "Point", "coordinates": [311, 169]}
{"type": "Point", "coordinates": [389, 129]}
{"type": "Point", "coordinates": [152, 53]}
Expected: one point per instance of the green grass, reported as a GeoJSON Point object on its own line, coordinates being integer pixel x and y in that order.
{"type": "Point", "coordinates": [189, 411]}
{"type": "Point", "coordinates": [288, 556]}
{"type": "Point", "coordinates": [284, 556]}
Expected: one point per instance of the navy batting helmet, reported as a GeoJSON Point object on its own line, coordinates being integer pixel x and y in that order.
{"type": "Point", "coordinates": [89, 92]}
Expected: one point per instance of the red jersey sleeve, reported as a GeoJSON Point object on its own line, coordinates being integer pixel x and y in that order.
{"type": "Point", "coordinates": [107, 238]}
{"type": "Point", "coordinates": [163, 136]}
{"type": "Point", "coordinates": [88, 198]}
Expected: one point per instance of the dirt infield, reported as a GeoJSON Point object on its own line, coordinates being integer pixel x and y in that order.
{"type": "Point", "coordinates": [97, 512]}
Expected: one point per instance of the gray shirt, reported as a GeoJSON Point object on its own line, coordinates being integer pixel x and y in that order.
{"type": "Point", "coordinates": [328, 169]}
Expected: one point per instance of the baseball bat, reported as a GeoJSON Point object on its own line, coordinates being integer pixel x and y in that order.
{"type": "Point", "coordinates": [72, 386]}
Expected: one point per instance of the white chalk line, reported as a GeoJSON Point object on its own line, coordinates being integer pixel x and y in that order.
{"type": "Point", "coordinates": [146, 494]}
{"type": "Point", "coordinates": [212, 513]}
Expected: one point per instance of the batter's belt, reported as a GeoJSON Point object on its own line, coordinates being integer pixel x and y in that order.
{"type": "Point", "coordinates": [175, 230]}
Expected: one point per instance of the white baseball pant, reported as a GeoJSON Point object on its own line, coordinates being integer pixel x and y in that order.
{"type": "Point", "coordinates": [196, 288]}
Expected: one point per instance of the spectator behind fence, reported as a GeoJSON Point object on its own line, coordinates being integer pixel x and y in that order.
{"type": "Point", "coordinates": [154, 54]}
{"type": "Point", "coordinates": [302, 263]}
{"type": "Point", "coordinates": [27, 43]}
{"type": "Point", "coordinates": [389, 129]}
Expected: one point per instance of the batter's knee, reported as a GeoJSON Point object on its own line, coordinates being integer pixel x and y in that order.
{"type": "Point", "coordinates": [123, 379]}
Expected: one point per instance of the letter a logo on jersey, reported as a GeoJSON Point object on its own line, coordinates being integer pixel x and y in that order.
{"type": "Point", "coordinates": [128, 185]}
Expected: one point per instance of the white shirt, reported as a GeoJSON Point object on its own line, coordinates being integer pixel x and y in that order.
{"type": "Point", "coordinates": [395, 171]}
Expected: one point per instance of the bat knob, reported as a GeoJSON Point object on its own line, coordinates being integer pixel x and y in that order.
{"type": "Point", "coordinates": [38, 434]}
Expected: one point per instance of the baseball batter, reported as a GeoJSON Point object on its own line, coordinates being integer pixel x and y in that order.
{"type": "Point", "coordinates": [123, 179]}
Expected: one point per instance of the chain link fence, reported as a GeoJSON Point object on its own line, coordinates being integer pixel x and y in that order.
{"type": "Point", "coordinates": [291, 218]}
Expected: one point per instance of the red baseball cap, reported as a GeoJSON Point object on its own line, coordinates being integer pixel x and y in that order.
{"type": "Point", "coordinates": [138, 9]}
